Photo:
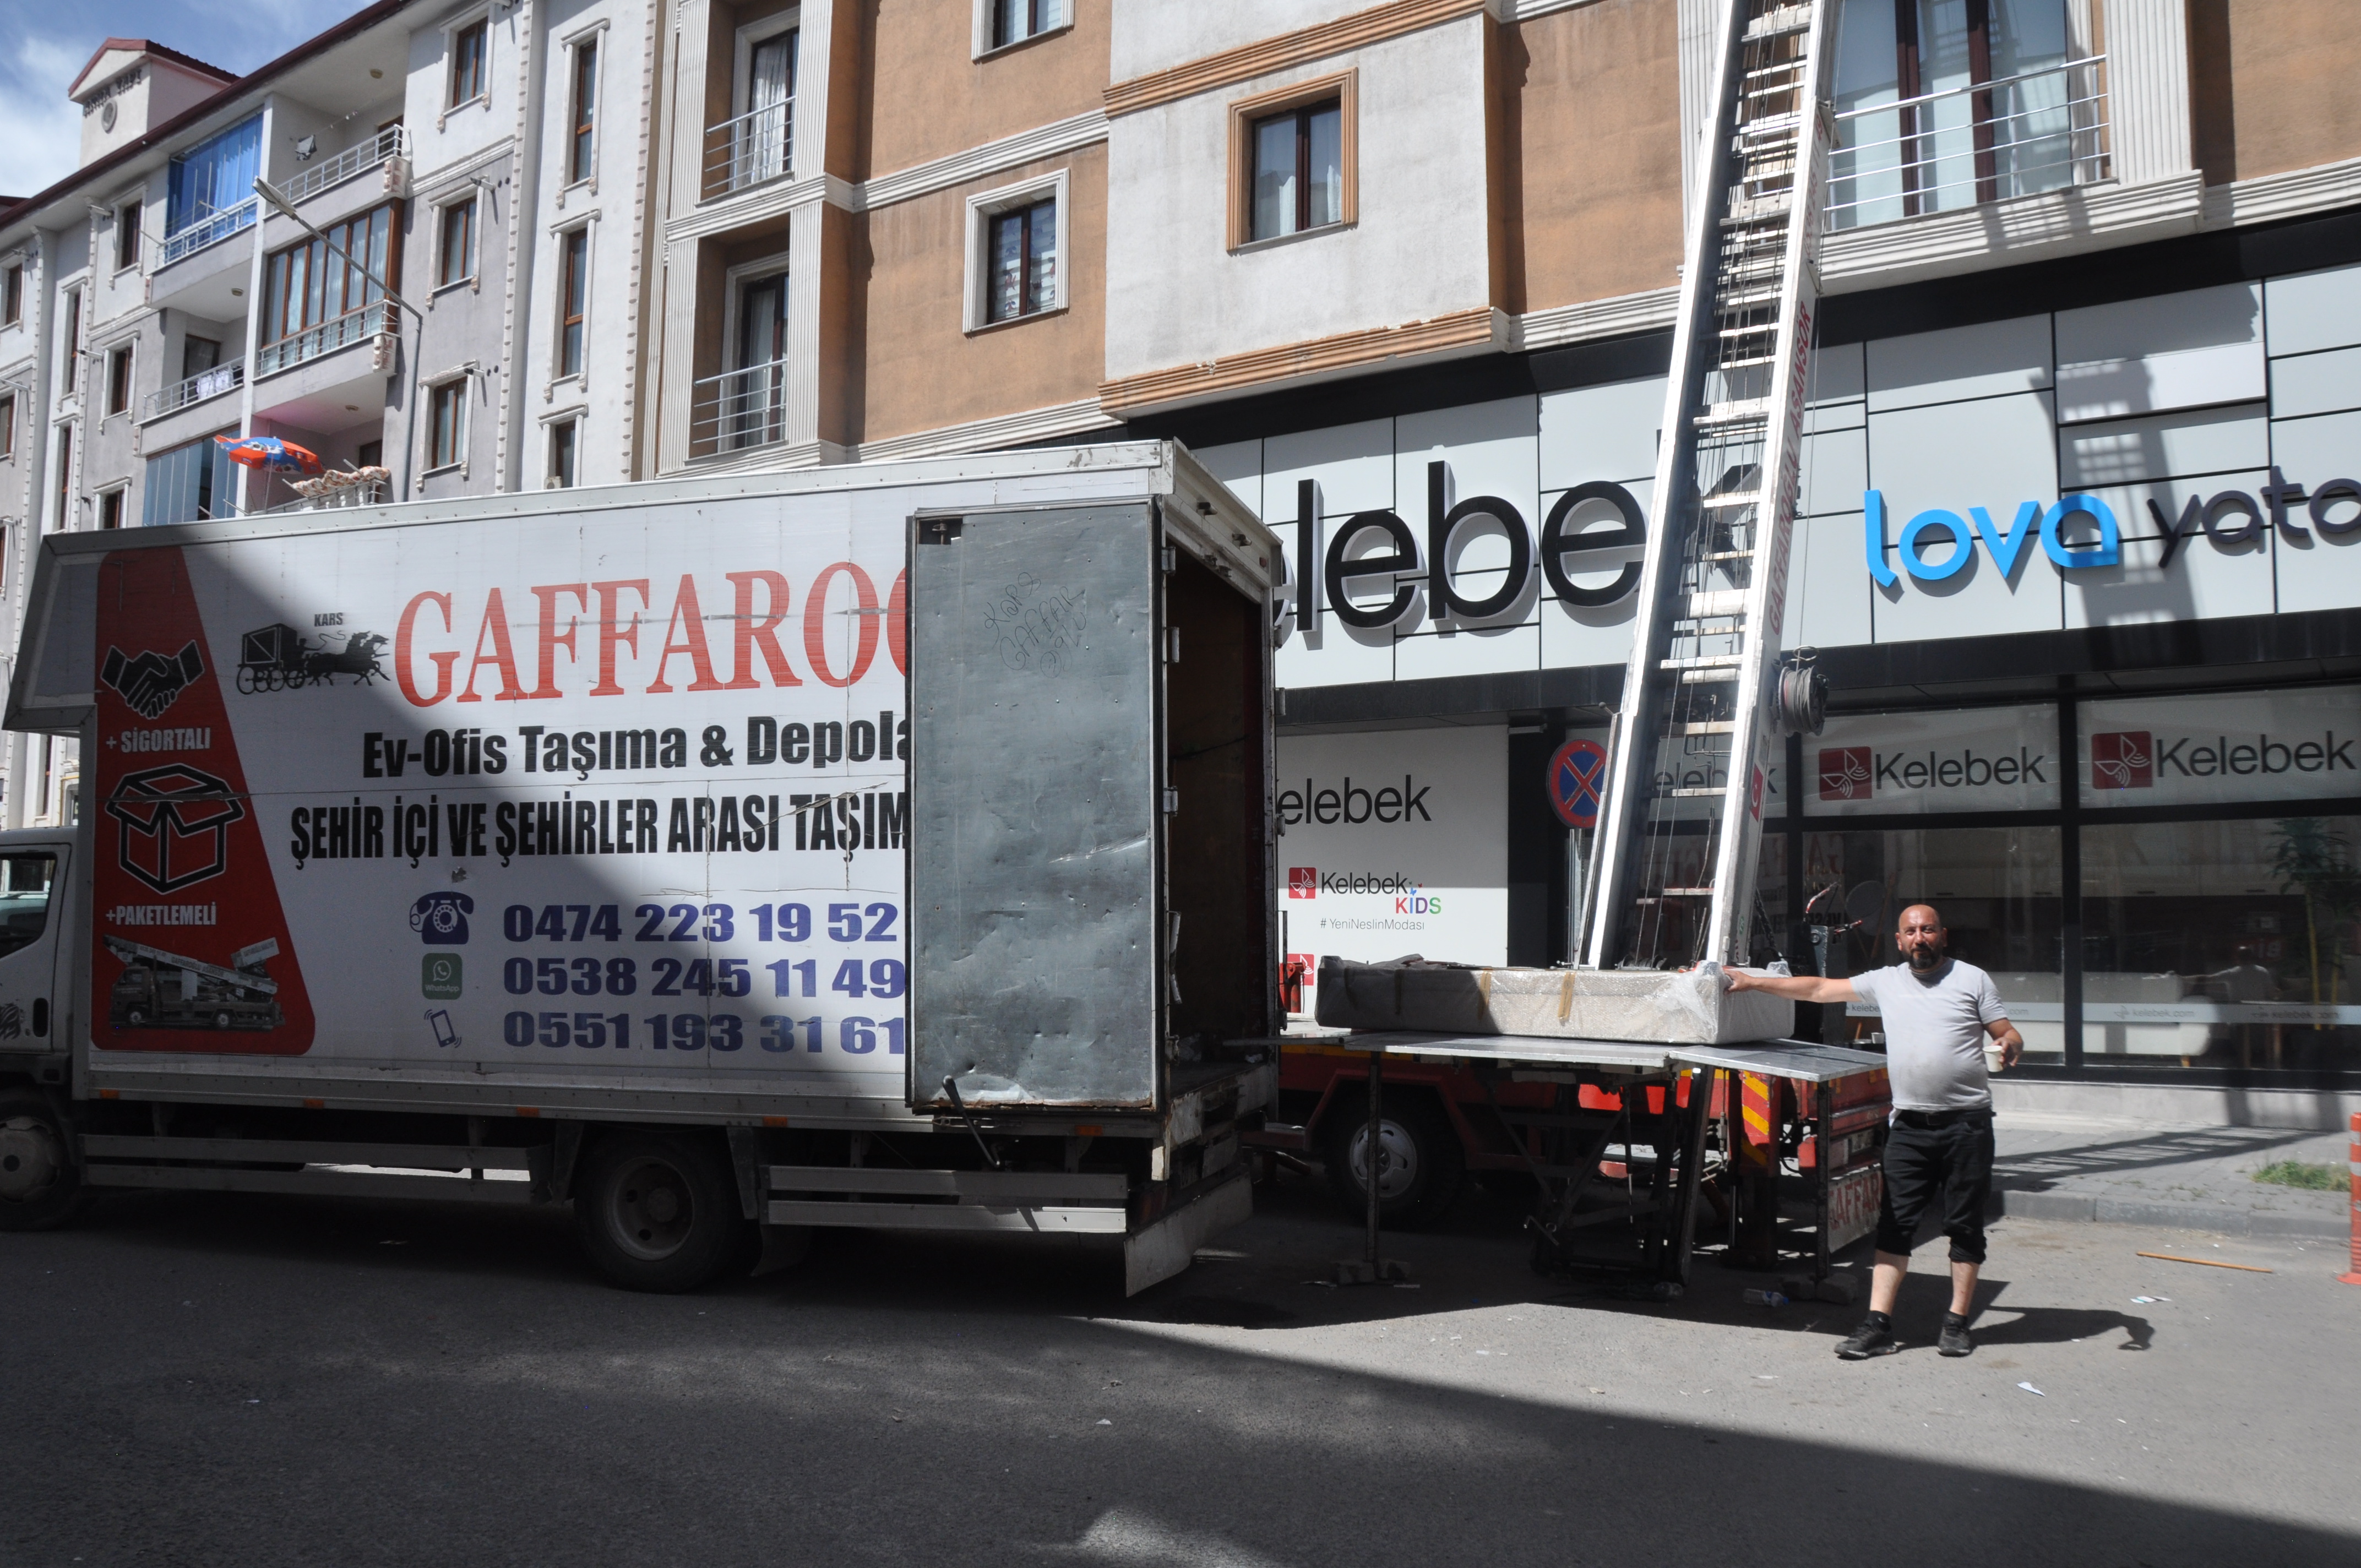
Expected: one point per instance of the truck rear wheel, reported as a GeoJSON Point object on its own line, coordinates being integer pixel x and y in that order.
{"type": "Point", "coordinates": [1424, 1166]}
{"type": "Point", "coordinates": [658, 1210]}
{"type": "Point", "coordinates": [40, 1187]}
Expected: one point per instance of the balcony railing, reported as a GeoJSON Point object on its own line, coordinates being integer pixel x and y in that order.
{"type": "Point", "coordinates": [390, 143]}
{"type": "Point", "coordinates": [2041, 131]}
{"type": "Point", "coordinates": [750, 148]}
{"type": "Point", "coordinates": [338, 488]}
{"type": "Point", "coordinates": [193, 391]}
{"type": "Point", "coordinates": [205, 231]}
{"type": "Point", "coordinates": [352, 327]}
{"type": "Point", "coordinates": [738, 409]}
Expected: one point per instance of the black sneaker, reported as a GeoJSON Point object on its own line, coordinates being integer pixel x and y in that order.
{"type": "Point", "coordinates": [1870, 1338]}
{"type": "Point", "coordinates": [1955, 1340]}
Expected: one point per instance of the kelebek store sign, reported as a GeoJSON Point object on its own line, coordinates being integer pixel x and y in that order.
{"type": "Point", "coordinates": [1975, 760]}
{"type": "Point", "coordinates": [2247, 746]}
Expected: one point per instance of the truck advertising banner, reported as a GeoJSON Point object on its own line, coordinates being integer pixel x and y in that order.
{"type": "Point", "coordinates": [631, 798]}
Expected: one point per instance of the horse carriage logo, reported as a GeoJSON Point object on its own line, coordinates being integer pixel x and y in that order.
{"type": "Point", "coordinates": [279, 658]}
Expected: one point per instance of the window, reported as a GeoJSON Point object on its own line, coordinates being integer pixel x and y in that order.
{"type": "Point", "coordinates": [69, 377]}
{"type": "Point", "coordinates": [65, 475]}
{"type": "Point", "coordinates": [24, 881]}
{"type": "Point", "coordinates": [369, 455]}
{"type": "Point", "coordinates": [562, 436]}
{"type": "Point", "coordinates": [748, 404]}
{"type": "Point", "coordinates": [307, 285]}
{"type": "Point", "coordinates": [7, 428]}
{"type": "Point", "coordinates": [1291, 159]}
{"type": "Point", "coordinates": [454, 260]}
{"type": "Point", "coordinates": [12, 296]}
{"type": "Point", "coordinates": [1022, 280]}
{"type": "Point", "coordinates": [1947, 104]}
{"type": "Point", "coordinates": [446, 424]}
{"type": "Point", "coordinates": [213, 177]}
{"type": "Point", "coordinates": [190, 483]}
{"type": "Point", "coordinates": [198, 355]}
{"type": "Point", "coordinates": [1014, 21]}
{"type": "Point", "coordinates": [574, 295]}
{"type": "Point", "coordinates": [761, 137]}
{"type": "Point", "coordinates": [110, 508]}
{"type": "Point", "coordinates": [118, 379]}
{"type": "Point", "coordinates": [585, 111]}
{"type": "Point", "coordinates": [127, 237]}
{"type": "Point", "coordinates": [468, 45]}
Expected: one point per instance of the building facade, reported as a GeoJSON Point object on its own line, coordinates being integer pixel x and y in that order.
{"type": "Point", "coordinates": [2079, 554]}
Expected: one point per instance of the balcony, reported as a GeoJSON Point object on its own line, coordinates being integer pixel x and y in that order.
{"type": "Point", "coordinates": [312, 343]}
{"type": "Point", "coordinates": [750, 149]}
{"type": "Point", "coordinates": [1964, 146]}
{"type": "Point", "coordinates": [207, 231]}
{"type": "Point", "coordinates": [336, 490]}
{"type": "Point", "coordinates": [388, 144]}
{"type": "Point", "coordinates": [739, 409]}
{"type": "Point", "coordinates": [200, 388]}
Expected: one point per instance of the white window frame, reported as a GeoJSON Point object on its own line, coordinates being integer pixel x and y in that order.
{"type": "Point", "coordinates": [139, 252]}
{"type": "Point", "coordinates": [733, 285]}
{"type": "Point", "coordinates": [80, 283]}
{"type": "Point", "coordinates": [585, 225]}
{"type": "Point", "coordinates": [462, 378]}
{"type": "Point", "coordinates": [982, 208]}
{"type": "Point", "coordinates": [104, 354]}
{"type": "Point", "coordinates": [474, 274]}
{"type": "Point", "coordinates": [596, 33]}
{"type": "Point", "coordinates": [788, 21]}
{"type": "Point", "coordinates": [984, 46]}
{"type": "Point", "coordinates": [98, 505]}
{"type": "Point", "coordinates": [451, 31]}
{"type": "Point", "coordinates": [577, 415]}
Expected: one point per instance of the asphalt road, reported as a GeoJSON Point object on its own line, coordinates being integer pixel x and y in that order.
{"type": "Point", "coordinates": [198, 1378]}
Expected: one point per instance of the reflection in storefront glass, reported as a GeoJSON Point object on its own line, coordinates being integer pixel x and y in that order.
{"type": "Point", "coordinates": [1996, 888]}
{"type": "Point", "coordinates": [2222, 944]}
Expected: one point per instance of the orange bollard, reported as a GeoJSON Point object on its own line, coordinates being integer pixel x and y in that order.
{"type": "Point", "coordinates": [2353, 1169]}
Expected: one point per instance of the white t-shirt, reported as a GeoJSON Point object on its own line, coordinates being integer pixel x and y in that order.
{"type": "Point", "coordinates": [1935, 1033]}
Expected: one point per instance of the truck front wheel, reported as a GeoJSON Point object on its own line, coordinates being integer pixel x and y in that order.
{"type": "Point", "coordinates": [658, 1210]}
{"type": "Point", "coordinates": [1423, 1169]}
{"type": "Point", "coordinates": [40, 1188]}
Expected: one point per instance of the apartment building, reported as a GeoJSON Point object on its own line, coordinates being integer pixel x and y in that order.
{"type": "Point", "coordinates": [443, 307]}
{"type": "Point", "coordinates": [1403, 273]}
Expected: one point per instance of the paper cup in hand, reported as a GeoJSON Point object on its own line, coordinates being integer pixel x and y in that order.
{"type": "Point", "coordinates": [1995, 1058]}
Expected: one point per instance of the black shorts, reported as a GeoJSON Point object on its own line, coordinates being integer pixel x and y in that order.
{"type": "Point", "coordinates": [1951, 1161]}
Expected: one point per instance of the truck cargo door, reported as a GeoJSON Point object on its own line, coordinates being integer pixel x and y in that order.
{"type": "Point", "coordinates": [28, 948]}
{"type": "Point", "coordinates": [1034, 808]}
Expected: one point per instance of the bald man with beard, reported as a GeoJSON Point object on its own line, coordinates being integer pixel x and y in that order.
{"type": "Point", "coordinates": [1938, 1146]}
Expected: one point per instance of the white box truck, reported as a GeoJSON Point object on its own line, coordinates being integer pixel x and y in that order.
{"type": "Point", "coordinates": [877, 846]}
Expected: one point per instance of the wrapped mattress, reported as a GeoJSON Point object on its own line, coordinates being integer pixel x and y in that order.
{"type": "Point", "coordinates": [1684, 1007]}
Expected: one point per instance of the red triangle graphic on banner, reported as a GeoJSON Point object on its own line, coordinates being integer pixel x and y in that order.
{"type": "Point", "coordinates": [190, 950]}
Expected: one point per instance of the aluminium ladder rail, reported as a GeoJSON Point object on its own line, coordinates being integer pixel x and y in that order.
{"type": "Point", "coordinates": [1675, 861]}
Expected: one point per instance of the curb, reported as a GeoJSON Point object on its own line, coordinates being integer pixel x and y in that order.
{"type": "Point", "coordinates": [2217, 1217]}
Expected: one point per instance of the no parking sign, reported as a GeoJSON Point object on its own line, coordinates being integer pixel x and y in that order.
{"type": "Point", "coordinates": [1577, 775]}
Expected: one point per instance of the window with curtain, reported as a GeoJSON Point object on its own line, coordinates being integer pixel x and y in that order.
{"type": "Point", "coordinates": [1943, 104]}
{"type": "Point", "coordinates": [560, 453]}
{"type": "Point", "coordinates": [1014, 21]}
{"type": "Point", "coordinates": [764, 135]}
{"type": "Point", "coordinates": [214, 176]}
{"type": "Point", "coordinates": [309, 284]}
{"type": "Point", "coordinates": [1023, 267]}
{"type": "Point", "coordinates": [446, 424]}
{"type": "Point", "coordinates": [585, 111]}
{"type": "Point", "coordinates": [573, 298]}
{"type": "Point", "coordinates": [455, 256]}
{"type": "Point", "coordinates": [1299, 171]}
{"type": "Point", "coordinates": [468, 46]}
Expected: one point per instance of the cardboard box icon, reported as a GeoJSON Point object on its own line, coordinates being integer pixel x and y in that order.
{"type": "Point", "coordinates": [174, 825]}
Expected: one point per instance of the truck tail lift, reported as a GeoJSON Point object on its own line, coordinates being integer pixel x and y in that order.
{"type": "Point", "coordinates": [1708, 691]}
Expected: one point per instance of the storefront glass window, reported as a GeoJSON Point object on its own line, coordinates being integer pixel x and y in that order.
{"type": "Point", "coordinates": [1996, 888]}
{"type": "Point", "coordinates": [2222, 944]}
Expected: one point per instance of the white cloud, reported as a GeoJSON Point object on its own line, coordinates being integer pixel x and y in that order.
{"type": "Point", "coordinates": [41, 128]}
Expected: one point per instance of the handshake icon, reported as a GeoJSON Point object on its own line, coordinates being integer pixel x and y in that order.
{"type": "Point", "coordinates": [150, 683]}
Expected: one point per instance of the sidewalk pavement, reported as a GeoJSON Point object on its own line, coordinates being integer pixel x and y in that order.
{"type": "Point", "coordinates": [2060, 1167]}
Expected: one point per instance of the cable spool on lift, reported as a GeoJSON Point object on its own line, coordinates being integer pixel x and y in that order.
{"type": "Point", "coordinates": [1802, 694]}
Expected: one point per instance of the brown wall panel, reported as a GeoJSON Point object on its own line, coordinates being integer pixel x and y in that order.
{"type": "Point", "coordinates": [930, 98]}
{"type": "Point", "coordinates": [922, 372]}
{"type": "Point", "coordinates": [2270, 85]}
{"type": "Point", "coordinates": [1593, 96]}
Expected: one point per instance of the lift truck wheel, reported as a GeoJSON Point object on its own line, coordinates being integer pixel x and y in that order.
{"type": "Point", "coordinates": [1426, 1166]}
{"type": "Point", "coordinates": [40, 1187]}
{"type": "Point", "coordinates": [658, 1212]}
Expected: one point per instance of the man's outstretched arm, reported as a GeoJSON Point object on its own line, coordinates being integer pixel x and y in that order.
{"type": "Point", "coordinates": [1795, 987]}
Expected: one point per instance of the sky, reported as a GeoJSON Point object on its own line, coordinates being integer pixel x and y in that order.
{"type": "Point", "coordinates": [44, 44]}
